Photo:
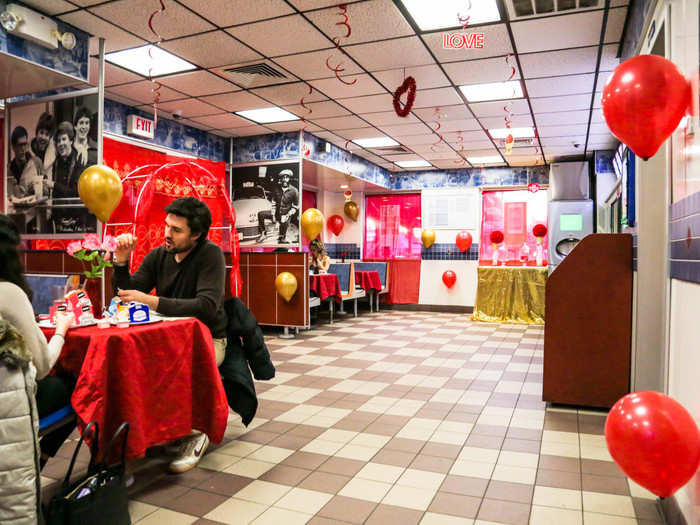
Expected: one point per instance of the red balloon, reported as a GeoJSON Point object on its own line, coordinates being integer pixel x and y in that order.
{"type": "Point", "coordinates": [654, 441]}
{"type": "Point", "coordinates": [643, 101]}
{"type": "Point", "coordinates": [464, 241]}
{"type": "Point", "coordinates": [449, 278]}
{"type": "Point", "coordinates": [335, 224]}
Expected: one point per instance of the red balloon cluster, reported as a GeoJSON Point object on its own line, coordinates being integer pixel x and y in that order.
{"type": "Point", "coordinates": [449, 278]}
{"type": "Point", "coordinates": [654, 440]}
{"type": "Point", "coordinates": [464, 241]}
{"type": "Point", "coordinates": [539, 230]}
{"type": "Point", "coordinates": [496, 237]}
{"type": "Point", "coordinates": [643, 101]}
{"type": "Point", "coordinates": [335, 224]}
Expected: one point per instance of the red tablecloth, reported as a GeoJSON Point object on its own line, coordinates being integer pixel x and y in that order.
{"type": "Point", "coordinates": [162, 378]}
{"type": "Point", "coordinates": [325, 285]}
{"type": "Point", "coordinates": [368, 280]}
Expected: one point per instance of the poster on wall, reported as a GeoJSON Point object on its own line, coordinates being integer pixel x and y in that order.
{"type": "Point", "coordinates": [266, 199]}
{"type": "Point", "coordinates": [51, 141]}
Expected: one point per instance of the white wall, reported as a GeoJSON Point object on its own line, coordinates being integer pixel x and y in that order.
{"type": "Point", "coordinates": [434, 291]}
{"type": "Point", "coordinates": [331, 203]}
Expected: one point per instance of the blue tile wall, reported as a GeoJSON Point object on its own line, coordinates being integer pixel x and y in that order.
{"type": "Point", "coordinates": [71, 62]}
{"type": "Point", "coordinates": [169, 133]}
{"type": "Point", "coordinates": [684, 238]}
{"type": "Point", "coordinates": [470, 177]}
{"type": "Point", "coordinates": [266, 147]}
{"type": "Point", "coordinates": [449, 252]}
{"type": "Point", "coordinates": [336, 249]}
{"type": "Point", "coordinates": [604, 161]}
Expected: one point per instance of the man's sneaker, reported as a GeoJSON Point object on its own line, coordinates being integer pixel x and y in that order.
{"type": "Point", "coordinates": [191, 451]}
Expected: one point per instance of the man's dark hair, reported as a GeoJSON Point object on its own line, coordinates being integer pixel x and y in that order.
{"type": "Point", "coordinates": [17, 134]}
{"type": "Point", "coordinates": [65, 128]}
{"type": "Point", "coordinates": [82, 112]}
{"type": "Point", "coordinates": [47, 122]}
{"type": "Point", "coordinates": [195, 211]}
{"type": "Point", "coordinates": [10, 263]}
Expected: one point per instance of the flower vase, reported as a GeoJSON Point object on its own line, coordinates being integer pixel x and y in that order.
{"type": "Point", "coordinates": [93, 287]}
{"type": "Point", "coordinates": [539, 252]}
{"type": "Point", "coordinates": [494, 254]}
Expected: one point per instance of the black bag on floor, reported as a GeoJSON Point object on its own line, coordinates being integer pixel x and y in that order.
{"type": "Point", "coordinates": [99, 497]}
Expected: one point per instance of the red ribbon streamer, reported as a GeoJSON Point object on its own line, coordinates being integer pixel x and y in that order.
{"type": "Point", "coordinates": [344, 12]}
{"type": "Point", "coordinates": [512, 67]}
{"type": "Point", "coordinates": [464, 20]}
{"type": "Point", "coordinates": [158, 85]}
{"type": "Point", "coordinates": [336, 41]}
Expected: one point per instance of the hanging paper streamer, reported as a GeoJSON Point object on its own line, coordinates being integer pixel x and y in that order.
{"type": "Point", "coordinates": [304, 148]}
{"type": "Point", "coordinates": [460, 141]}
{"type": "Point", "coordinates": [433, 146]}
{"type": "Point", "coordinates": [464, 19]}
{"type": "Point", "coordinates": [158, 86]}
{"type": "Point", "coordinates": [336, 40]}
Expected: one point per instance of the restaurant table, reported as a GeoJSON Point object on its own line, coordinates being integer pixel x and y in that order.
{"type": "Point", "coordinates": [161, 377]}
{"type": "Point", "coordinates": [325, 285]}
{"type": "Point", "coordinates": [510, 294]}
{"type": "Point", "coordinates": [368, 280]}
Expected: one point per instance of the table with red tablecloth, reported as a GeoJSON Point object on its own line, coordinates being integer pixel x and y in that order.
{"type": "Point", "coordinates": [162, 378]}
{"type": "Point", "coordinates": [368, 280]}
{"type": "Point", "coordinates": [325, 285]}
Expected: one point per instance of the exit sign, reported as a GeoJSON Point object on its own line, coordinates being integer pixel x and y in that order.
{"type": "Point", "coordinates": [139, 126]}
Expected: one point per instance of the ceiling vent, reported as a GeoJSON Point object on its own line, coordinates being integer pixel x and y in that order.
{"type": "Point", "coordinates": [529, 8]}
{"type": "Point", "coordinates": [391, 150]}
{"type": "Point", "coordinates": [254, 75]}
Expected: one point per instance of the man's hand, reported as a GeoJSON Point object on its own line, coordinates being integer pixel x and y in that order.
{"type": "Point", "coordinates": [126, 243]}
{"type": "Point", "coordinates": [128, 296]}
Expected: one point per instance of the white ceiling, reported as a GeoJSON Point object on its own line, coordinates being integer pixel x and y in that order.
{"type": "Point", "coordinates": [560, 59]}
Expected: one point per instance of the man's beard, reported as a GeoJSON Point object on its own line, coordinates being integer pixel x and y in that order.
{"type": "Point", "coordinates": [177, 249]}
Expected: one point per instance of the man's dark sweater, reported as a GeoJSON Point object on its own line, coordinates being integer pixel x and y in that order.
{"type": "Point", "coordinates": [193, 287]}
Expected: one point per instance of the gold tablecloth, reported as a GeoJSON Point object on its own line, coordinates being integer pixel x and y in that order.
{"type": "Point", "coordinates": [510, 294]}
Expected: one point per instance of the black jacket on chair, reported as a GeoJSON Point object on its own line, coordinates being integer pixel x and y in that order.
{"type": "Point", "coordinates": [245, 348]}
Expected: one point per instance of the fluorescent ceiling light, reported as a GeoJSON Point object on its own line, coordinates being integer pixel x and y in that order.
{"type": "Point", "coordinates": [139, 61]}
{"type": "Point", "coordinates": [492, 91]}
{"type": "Point", "coordinates": [344, 186]}
{"type": "Point", "coordinates": [376, 142]}
{"type": "Point", "coordinates": [493, 159]}
{"type": "Point", "coordinates": [444, 13]}
{"type": "Point", "coordinates": [518, 133]}
{"type": "Point", "coordinates": [413, 164]}
{"type": "Point", "coordinates": [267, 115]}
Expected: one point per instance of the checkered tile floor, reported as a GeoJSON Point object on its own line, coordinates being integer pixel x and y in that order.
{"type": "Point", "coordinates": [400, 418]}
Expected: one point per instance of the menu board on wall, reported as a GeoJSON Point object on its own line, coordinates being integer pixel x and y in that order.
{"type": "Point", "coordinates": [451, 209]}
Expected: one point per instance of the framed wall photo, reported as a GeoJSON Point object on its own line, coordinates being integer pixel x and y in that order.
{"type": "Point", "coordinates": [49, 143]}
{"type": "Point", "coordinates": [267, 201]}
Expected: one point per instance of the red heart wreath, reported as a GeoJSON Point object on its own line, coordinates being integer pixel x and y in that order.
{"type": "Point", "coordinates": [409, 85]}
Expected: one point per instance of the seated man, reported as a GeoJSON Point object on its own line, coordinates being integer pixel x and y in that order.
{"type": "Point", "coordinates": [188, 274]}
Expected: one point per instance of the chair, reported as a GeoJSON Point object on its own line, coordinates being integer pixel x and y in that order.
{"type": "Point", "coordinates": [57, 419]}
{"type": "Point", "coordinates": [382, 268]}
{"type": "Point", "coordinates": [346, 278]}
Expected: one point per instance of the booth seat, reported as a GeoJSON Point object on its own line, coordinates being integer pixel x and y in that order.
{"type": "Point", "coordinates": [346, 277]}
{"type": "Point", "coordinates": [382, 268]}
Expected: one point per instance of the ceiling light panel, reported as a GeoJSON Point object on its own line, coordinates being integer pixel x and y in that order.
{"type": "Point", "coordinates": [376, 142]}
{"type": "Point", "coordinates": [266, 115]}
{"type": "Point", "coordinates": [518, 133]}
{"type": "Point", "coordinates": [492, 91]}
{"type": "Point", "coordinates": [445, 13]}
{"type": "Point", "coordinates": [158, 62]}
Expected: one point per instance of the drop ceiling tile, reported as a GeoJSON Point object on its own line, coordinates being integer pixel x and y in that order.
{"type": "Point", "coordinates": [456, 125]}
{"type": "Point", "coordinates": [309, 66]}
{"type": "Point", "coordinates": [281, 36]}
{"type": "Point", "coordinates": [248, 131]}
{"type": "Point", "coordinates": [229, 12]}
{"type": "Point", "coordinates": [238, 101]}
{"type": "Point", "coordinates": [121, 99]}
{"type": "Point", "coordinates": [198, 83]}
{"type": "Point", "coordinates": [175, 22]}
{"type": "Point", "coordinates": [562, 131]}
{"type": "Point", "coordinates": [602, 79]}
{"type": "Point", "coordinates": [413, 141]}
{"type": "Point", "coordinates": [324, 109]}
{"type": "Point", "coordinates": [335, 89]}
{"type": "Point", "coordinates": [517, 121]}
{"type": "Point", "coordinates": [442, 155]}
{"type": "Point", "coordinates": [480, 71]}
{"type": "Point", "coordinates": [330, 137]}
{"type": "Point", "coordinates": [599, 128]}
{"type": "Point", "coordinates": [223, 121]}
{"type": "Point", "coordinates": [50, 7]}
{"type": "Point", "coordinates": [142, 91]}
{"type": "Point", "coordinates": [483, 152]}
{"type": "Point", "coordinates": [558, 32]}
{"type": "Point", "coordinates": [305, 5]}
{"type": "Point", "coordinates": [523, 160]}
{"type": "Point", "coordinates": [287, 94]}
{"type": "Point", "coordinates": [293, 125]}
{"type": "Point", "coordinates": [443, 113]}
{"type": "Point", "coordinates": [562, 103]}
{"type": "Point", "coordinates": [563, 150]}
{"type": "Point", "coordinates": [115, 38]}
{"type": "Point", "coordinates": [405, 129]}
{"type": "Point", "coordinates": [368, 104]}
{"type": "Point", "coordinates": [615, 25]}
{"type": "Point", "coordinates": [360, 133]}
{"type": "Point", "coordinates": [339, 123]}
{"type": "Point", "coordinates": [189, 107]}
{"type": "Point", "coordinates": [388, 118]}
{"type": "Point", "coordinates": [222, 133]}
{"type": "Point", "coordinates": [562, 118]}
{"type": "Point", "coordinates": [405, 156]}
{"type": "Point", "coordinates": [425, 77]}
{"type": "Point", "coordinates": [446, 96]}
{"type": "Point", "coordinates": [114, 75]}
{"type": "Point", "coordinates": [601, 137]}
{"type": "Point", "coordinates": [609, 60]}
{"type": "Point", "coordinates": [564, 62]}
{"type": "Point", "coordinates": [496, 109]}
{"type": "Point", "coordinates": [555, 86]}
{"type": "Point", "coordinates": [379, 56]}
{"type": "Point", "coordinates": [148, 108]}
{"type": "Point", "coordinates": [597, 117]}
{"type": "Point", "coordinates": [432, 148]}
{"type": "Point", "coordinates": [370, 21]}
{"type": "Point", "coordinates": [496, 43]}
{"type": "Point", "coordinates": [213, 49]}
{"type": "Point", "coordinates": [618, 3]}
{"type": "Point", "coordinates": [195, 124]}
{"type": "Point", "coordinates": [562, 141]}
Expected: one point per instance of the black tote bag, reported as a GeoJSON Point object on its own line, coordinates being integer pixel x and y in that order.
{"type": "Point", "coordinates": [99, 497]}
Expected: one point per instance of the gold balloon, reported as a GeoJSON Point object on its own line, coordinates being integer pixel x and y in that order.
{"type": "Point", "coordinates": [312, 223]}
{"type": "Point", "coordinates": [428, 238]}
{"type": "Point", "coordinates": [351, 210]}
{"type": "Point", "coordinates": [100, 189]}
{"type": "Point", "coordinates": [286, 285]}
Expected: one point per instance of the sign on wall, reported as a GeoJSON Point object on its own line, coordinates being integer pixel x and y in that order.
{"type": "Point", "coordinates": [140, 127]}
{"type": "Point", "coordinates": [451, 209]}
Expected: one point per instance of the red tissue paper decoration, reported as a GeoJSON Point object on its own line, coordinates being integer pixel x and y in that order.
{"type": "Point", "coordinates": [496, 237]}
{"type": "Point", "coordinates": [409, 87]}
{"type": "Point", "coordinates": [533, 187]}
{"type": "Point", "coordinates": [643, 101]}
{"type": "Point", "coordinates": [449, 278]}
{"type": "Point", "coordinates": [539, 230]}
